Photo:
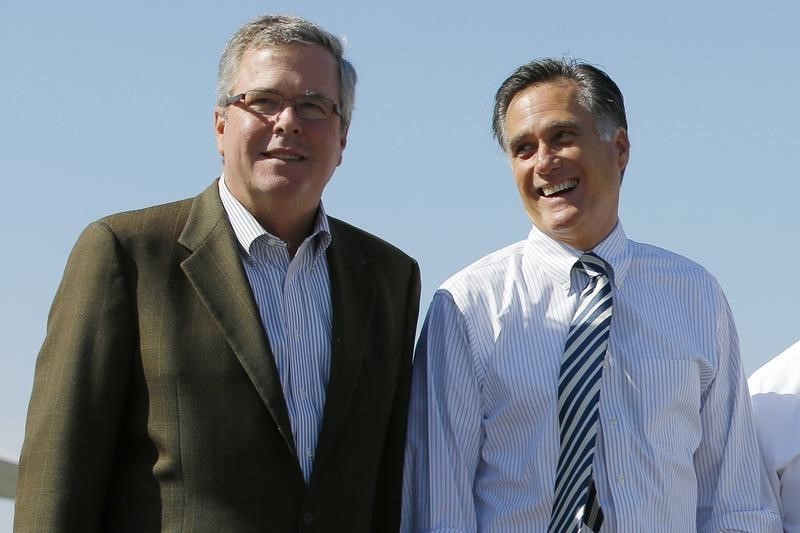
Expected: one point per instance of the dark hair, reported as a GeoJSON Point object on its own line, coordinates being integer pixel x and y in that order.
{"type": "Point", "coordinates": [597, 93]}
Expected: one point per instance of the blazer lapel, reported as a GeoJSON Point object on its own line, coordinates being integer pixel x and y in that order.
{"type": "Point", "coordinates": [353, 291]}
{"type": "Point", "coordinates": [215, 270]}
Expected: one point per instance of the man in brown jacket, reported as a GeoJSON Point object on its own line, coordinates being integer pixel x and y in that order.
{"type": "Point", "coordinates": [238, 361]}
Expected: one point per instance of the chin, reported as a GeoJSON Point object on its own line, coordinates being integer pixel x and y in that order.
{"type": "Point", "coordinates": [563, 220]}
{"type": "Point", "coordinates": [268, 182]}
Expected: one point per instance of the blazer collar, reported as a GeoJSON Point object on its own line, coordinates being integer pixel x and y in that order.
{"type": "Point", "coordinates": [353, 294]}
{"type": "Point", "coordinates": [215, 270]}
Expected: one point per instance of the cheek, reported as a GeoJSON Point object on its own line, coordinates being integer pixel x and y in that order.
{"type": "Point", "coordinates": [523, 179]}
{"type": "Point", "coordinates": [246, 132]}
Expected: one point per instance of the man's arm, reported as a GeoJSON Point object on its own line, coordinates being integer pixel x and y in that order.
{"type": "Point", "coordinates": [79, 388]}
{"type": "Point", "coordinates": [444, 429]}
{"type": "Point", "coordinates": [727, 462]}
{"type": "Point", "coordinates": [390, 476]}
{"type": "Point", "coordinates": [775, 397]}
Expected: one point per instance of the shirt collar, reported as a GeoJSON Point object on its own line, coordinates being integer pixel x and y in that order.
{"type": "Point", "coordinates": [557, 258]}
{"type": "Point", "coordinates": [247, 229]}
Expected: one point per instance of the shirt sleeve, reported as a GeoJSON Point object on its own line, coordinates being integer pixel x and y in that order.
{"type": "Point", "coordinates": [727, 462]}
{"type": "Point", "coordinates": [444, 430]}
{"type": "Point", "coordinates": [775, 398]}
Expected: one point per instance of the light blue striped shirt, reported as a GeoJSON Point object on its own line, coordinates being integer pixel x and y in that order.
{"type": "Point", "coordinates": [676, 447]}
{"type": "Point", "coordinates": [294, 300]}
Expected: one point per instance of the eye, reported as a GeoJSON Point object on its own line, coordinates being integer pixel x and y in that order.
{"type": "Point", "coordinates": [310, 107]}
{"type": "Point", "coordinates": [264, 102]}
{"type": "Point", "coordinates": [565, 137]}
{"type": "Point", "coordinates": [523, 150]}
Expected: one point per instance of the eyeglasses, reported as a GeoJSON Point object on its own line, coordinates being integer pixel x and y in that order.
{"type": "Point", "coordinates": [268, 103]}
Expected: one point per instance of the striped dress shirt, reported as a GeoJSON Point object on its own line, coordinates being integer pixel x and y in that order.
{"type": "Point", "coordinates": [294, 300]}
{"type": "Point", "coordinates": [676, 447]}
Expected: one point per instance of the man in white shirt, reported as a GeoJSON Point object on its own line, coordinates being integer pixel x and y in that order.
{"type": "Point", "coordinates": [666, 438]}
{"type": "Point", "coordinates": [775, 393]}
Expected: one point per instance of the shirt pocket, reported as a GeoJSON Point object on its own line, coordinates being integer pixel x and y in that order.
{"type": "Point", "coordinates": [663, 401]}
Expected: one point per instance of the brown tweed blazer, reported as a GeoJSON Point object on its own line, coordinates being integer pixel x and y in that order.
{"type": "Point", "coordinates": [156, 402]}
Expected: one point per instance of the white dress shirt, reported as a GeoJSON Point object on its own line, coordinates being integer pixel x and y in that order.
{"type": "Point", "coordinates": [676, 448]}
{"type": "Point", "coordinates": [294, 301]}
{"type": "Point", "coordinates": [775, 392]}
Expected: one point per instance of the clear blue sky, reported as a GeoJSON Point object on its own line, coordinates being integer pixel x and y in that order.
{"type": "Point", "coordinates": [108, 107]}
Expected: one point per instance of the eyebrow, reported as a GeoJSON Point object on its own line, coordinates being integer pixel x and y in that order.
{"type": "Point", "coordinates": [307, 92]}
{"type": "Point", "coordinates": [563, 124]}
{"type": "Point", "coordinates": [264, 89]}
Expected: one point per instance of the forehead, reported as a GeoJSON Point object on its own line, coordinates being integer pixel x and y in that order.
{"type": "Point", "coordinates": [294, 67]}
{"type": "Point", "coordinates": [545, 104]}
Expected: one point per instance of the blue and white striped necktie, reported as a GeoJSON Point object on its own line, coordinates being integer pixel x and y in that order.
{"type": "Point", "coordinates": [578, 401]}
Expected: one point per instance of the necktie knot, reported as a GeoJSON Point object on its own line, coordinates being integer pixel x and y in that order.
{"type": "Point", "coordinates": [593, 265]}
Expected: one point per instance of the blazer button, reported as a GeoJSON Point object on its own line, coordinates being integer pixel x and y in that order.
{"type": "Point", "coordinates": [308, 518]}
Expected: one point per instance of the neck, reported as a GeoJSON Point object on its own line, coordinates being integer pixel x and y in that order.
{"type": "Point", "coordinates": [286, 217]}
{"type": "Point", "coordinates": [292, 230]}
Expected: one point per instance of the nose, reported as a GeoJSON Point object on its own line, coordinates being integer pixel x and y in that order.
{"type": "Point", "coordinates": [287, 121]}
{"type": "Point", "coordinates": [547, 160]}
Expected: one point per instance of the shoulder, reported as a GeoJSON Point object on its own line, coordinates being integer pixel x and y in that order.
{"type": "Point", "coordinates": [480, 280]}
{"type": "Point", "coordinates": [487, 266]}
{"type": "Point", "coordinates": [164, 218]}
{"type": "Point", "coordinates": [371, 246]}
{"type": "Point", "coordinates": [654, 257]}
{"type": "Point", "coordinates": [151, 230]}
{"type": "Point", "coordinates": [780, 374]}
{"type": "Point", "coordinates": [660, 266]}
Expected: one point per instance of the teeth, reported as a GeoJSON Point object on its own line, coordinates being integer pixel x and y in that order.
{"type": "Point", "coordinates": [567, 185]}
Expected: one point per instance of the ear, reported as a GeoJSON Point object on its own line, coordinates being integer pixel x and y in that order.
{"type": "Point", "coordinates": [219, 129]}
{"type": "Point", "coordinates": [622, 147]}
{"type": "Point", "coordinates": [342, 144]}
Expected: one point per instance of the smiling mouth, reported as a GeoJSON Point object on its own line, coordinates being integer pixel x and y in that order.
{"type": "Point", "coordinates": [553, 190]}
{"type": "Point", "coordinates": [283, 155]}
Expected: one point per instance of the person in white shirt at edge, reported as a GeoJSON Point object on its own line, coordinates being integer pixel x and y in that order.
{"type": "Point", "coordinates": [775, 394]}
{"type": "Point", "coordinates": [676, 448]}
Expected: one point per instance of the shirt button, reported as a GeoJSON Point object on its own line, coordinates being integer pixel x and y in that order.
{"type": "Point", "coordinates": [605, 364]}
{"type": "Point", "coordinates": [613, 421]}
{"type": "Point", "coordinates": [621, 479]}
{"type": "Point", "coordinates": [309, 453]}
{"type": "Point", "coordinates": [565, 286]}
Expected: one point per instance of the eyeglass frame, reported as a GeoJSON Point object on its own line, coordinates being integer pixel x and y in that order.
{"type": "Point", "coordinates": [285, 101]}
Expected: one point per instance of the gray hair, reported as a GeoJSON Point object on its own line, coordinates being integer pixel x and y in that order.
{"type": "Point", "coordinates": [597, 93]}
{"type": "Point", "coordinates": [282, 30]}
